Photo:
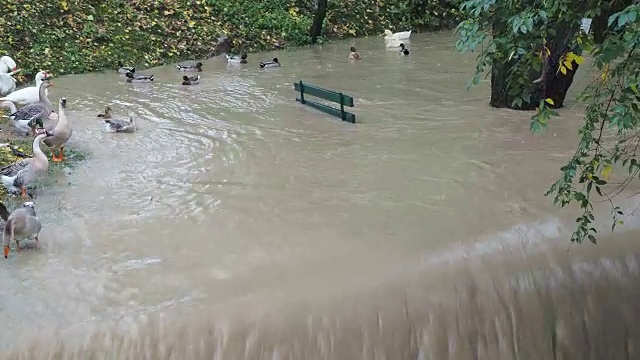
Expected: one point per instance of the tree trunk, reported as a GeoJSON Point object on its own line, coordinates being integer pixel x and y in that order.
{"type": "Point", "coordinates": [548, 83]}
{"type": "Point", "coordinates": [318, 19]}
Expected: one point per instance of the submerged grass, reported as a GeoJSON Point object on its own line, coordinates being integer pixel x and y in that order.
{"type": "Point", "coordinates": [24, 145]}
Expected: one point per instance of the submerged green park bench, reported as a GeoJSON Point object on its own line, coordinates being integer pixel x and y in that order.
{"type": "Point", "coordinates": [329, 95]}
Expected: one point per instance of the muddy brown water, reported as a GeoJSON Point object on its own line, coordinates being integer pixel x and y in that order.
{"type": "Point", "coordinates": [237, 224]}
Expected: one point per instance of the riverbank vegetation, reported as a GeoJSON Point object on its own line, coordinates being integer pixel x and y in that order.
{"type": "Point", "coordinates": [532, 53]}
{"type": "Point", "coordinates": [65, 36]}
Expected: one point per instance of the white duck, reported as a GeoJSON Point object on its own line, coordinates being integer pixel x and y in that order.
{"type": "Point", "coordinates": [17, 176]}
{"type": "Point", "coordinates": [21, 224]}
{"type": "Point", "coordinates": [7, 83]}
{"type": "Point", "coordinates": [28, 95]}
{"type": "Point", "coordinates": [7, 65]}
{"type": "Point", "coordinates": [403, 35]}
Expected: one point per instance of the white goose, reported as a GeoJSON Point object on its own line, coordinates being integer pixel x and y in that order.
{"type": "Point", "coordinates": [28, 95]}
{"type": "Point", "coordinates": [7, 64]}
{"type": "Point", "coordinates": [403, 35]}
{"type": "Point", "coordinates": [7, 83]}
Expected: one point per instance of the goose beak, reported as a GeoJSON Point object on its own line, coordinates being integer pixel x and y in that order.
{"type": "Point", "coordinates": [6, 252]}
{"type": "Point", "coordinates": [14, 69]}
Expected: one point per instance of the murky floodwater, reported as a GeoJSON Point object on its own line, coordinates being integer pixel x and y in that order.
{"type": "Point", "coordinates": [258, 228]}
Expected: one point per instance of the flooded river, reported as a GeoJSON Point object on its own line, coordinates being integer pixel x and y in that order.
{"type": "Point", "coordinates": [238, 224]}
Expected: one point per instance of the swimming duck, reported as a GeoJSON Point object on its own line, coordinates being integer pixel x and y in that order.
{"type": "Point", "coordinates": [31, 94]}
{"type": "Point", "coordinates": [235, 59]}
{"type": "Point", "coordinates": [33, 114]}
{"type": "Point", "coordinates": [190, 80]}
{"type": "Point", "coordinates": [125, 69]}
{"type": "Point", "coordinates": [403, 50]}
{"type": "Point", "coordinates": [117, 125]}
{"type": "Point", "coordinates": [131, 78]}
{"type": "Point", "coordinates": [196, 67]}
{"type": "Point", "coordinates": [60, 134]}
{"type": "Point", "coordinates": [403, 35]}
{"type": "Point", "coordinates": [21, 224]}
{"type": "Point", "coordinates": [354, 55]}
{"type": "Point", "coordinates": [17, 176]}
{"type": "Point", "coordinates": [7, 65]}
{"type": "Point", "coordinates": [269, 64]}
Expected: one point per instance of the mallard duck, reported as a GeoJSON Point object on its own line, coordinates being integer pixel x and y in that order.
{"type": "Point", "coordinates": [31, 115]}
{"type": "Point", "coordinates": [354, 55]}
{"type": "Point", "coordinates": [17, 176]}
{"type": "Point", "coordinates": [117, 125]}
{"type": "Point", "coordinates": [21, 224]}
{"type": "Point", "coordinates": [190, 80]}
{"type": "Point", "coordinates": [125, 69]}
{"type": "Point", "coordinates": [403, 35]}
{"type": "Point", "coordinates": [31, 94]}
{"type": "Point", "coordinates": [7, 64]}
{"type": "Point", "coordinates": [7, 83]}
{"type": "Point", "coordinates": [196, 67]}
{"type": "Point", "coordinates": [139, 78]}
{"type": "Point", "coordinates": [60, 134]}
{"type": "Point", "coordinates": [235, 59]}
{"type": "Point", "coordinates": [404, 51]}
{"type": "Point", "coordinates": [269, 64]}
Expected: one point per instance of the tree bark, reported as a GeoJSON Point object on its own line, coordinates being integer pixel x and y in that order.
{"type": "Point", "coordinates": [548, 83]}
{"type": "Point", "coordinates": [318, 19]}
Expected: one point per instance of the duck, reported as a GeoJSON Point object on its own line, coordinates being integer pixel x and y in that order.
{"type": "Point", "coordinates": [60, 134]}
{"type": "Point", "coordinates": [7, 65]}
{"type": "Point", "coordinates": [7, 83]}
{"type": "Point", "coordinates": [17, 176]}
{"type": "Point", "coordinates": [354, 55]}
{"type": "Point", "coordinates": [125, 69]}
{"type": "Point", "coordinates": [196, 67]}
{"type": "Point", "coordinates": [139, 78]}
{"type": "Point", "coordinates": [33, 114]}
{"type": "Point", "coordinates": [403, 35]}
{"type": "Point", "coordinates": [117, 125]}
{"type": "Point", "coordinates": [22, 223]}
{"type": "Point", "coordinates": [190, 80]}
{"type": "Point", "coordinates": [404, 51]}
{"type": "Point", "coordinates": [235, 59]}
{"type": "Point", "coordinates": [31, 94]}
{"type": "Point", "coordinates": [269, 64]}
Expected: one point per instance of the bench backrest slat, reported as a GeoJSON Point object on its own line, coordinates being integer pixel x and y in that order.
{"type": "Point", "coordinates": [325, 94]}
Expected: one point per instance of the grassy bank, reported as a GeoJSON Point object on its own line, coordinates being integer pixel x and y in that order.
{"type": "Point", "coordinates": [80, 36]}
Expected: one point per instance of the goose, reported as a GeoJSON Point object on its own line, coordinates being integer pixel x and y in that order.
{"type": "Point", "coordinates": [403, 35]}
{"type": "Point", "coordinates": [17, 176]}
{"type": "Point", "coordinates": [190, 80]}
{"type": "Point", "coordinates": [23, 121]}
{"type": "Point", "coordinates": [29, 95]}
{"type": "Point", "coordinates": [235, 59]}
{"type": "Point", "coordinates": [139, 78]}
{"type": "Point", "coordinates": [269, 64]}
{"type": "Point", "coordinates": [60, 134]}
{"type": "Point", "coordinates": [404, 51]}
{"type": "Point", "coordinates": [7, 64]}
{"type": "Point", "coordinates": [21, 224]}
{"type": "Point", "coordinates": [7, 83]}
{"type": "Point", "coordinates": [117, 125]}
{"type": "Point", "coordinates": [354, 55]}
{"type": "Point", "coordinates": [125, 69]}
{"type": "Point", "coordinates": [33, 114]}
{"type": "Point", "coordinates": [196, 67]}
{"type": "Point", "coordinates": [4, 213]}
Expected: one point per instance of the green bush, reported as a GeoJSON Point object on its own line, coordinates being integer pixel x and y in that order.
{"type": "Point", "coordinates": [64, 36]}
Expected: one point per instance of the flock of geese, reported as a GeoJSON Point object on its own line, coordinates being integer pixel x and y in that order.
{"type": "Point", "coordinates": [32, 114]}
